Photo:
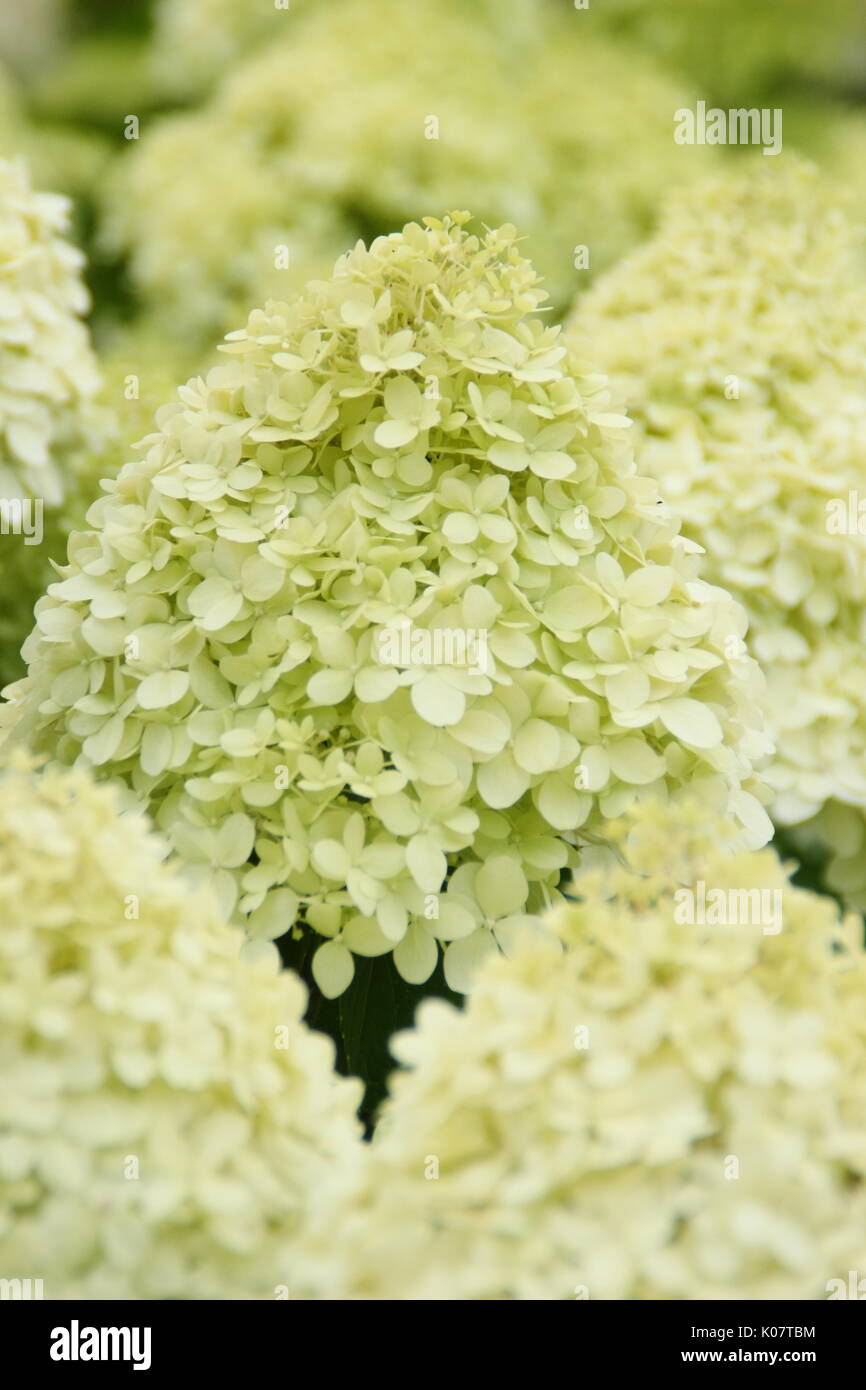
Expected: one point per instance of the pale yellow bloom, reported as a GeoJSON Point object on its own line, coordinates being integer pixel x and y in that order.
{"type": "Point", "coordinates": [212, 643]}
{"type": "Point", "coordinates": [48, 383]}
{"type": "Point", "coordinates": [333, 121]}
{"type": "Point", "coordinates": [164, 1114]}
{"type": "Point", "coordinates": [655, 1108]}
{"type": "Point", "coordinates": [737, 338]}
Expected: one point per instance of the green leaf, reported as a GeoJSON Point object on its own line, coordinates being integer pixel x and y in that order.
{"type": "Point", "coordinates": [377, 1004]}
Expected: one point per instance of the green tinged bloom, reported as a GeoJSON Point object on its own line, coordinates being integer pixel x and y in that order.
{"type": "Point", "coordinates": [165, 1115]}
{"type": "Point", "coordinates": [197, 41]}
{"type": "Point", "coordinates": [48, 383]}
{"type": "Point", "coordinates": [656, 1109]}
{"type": "Point", "coordinates": [258, 635]}
{"type": "Point", "coordinates": [348, 126]}
{"type": "Point", "coordinates": [737, 337]}
{"type": "Point", "coordinates": [47, 369]}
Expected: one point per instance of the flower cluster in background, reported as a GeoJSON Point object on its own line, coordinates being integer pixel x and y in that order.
{"type": "Point", "coordinates": [651, 1109]}
{"type": "Point", "coordinates": [165, 1116]}
{"type": "Point", "coordinates": [48, 373]}
{"type": "Point", "coordinates": [630, 1107]}
{"type": "Point", "coordinates": [67, 418]}
{"type": "Point", "coordinates": [49, 381]}
{"type": "Point", "coordinates": [738, 338]}
{"type": "Point", "coordinates": [251, 193]}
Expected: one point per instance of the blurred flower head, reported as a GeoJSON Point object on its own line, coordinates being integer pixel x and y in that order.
{"type": "Point", "coordinates": [49, 378]}
{"type": "Point", "coordinates": [340, 123]}
{"type": "Point", "coordinates": [165, 1114]}
{"type": "Point", "coordinates": [657, 1108]}
{"type": "Point", "coordinates": [48, 372]}
{"type": "Point", "coordinates": [736, 337]}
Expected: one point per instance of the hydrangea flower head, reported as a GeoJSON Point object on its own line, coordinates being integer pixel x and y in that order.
{"type": "Point", "coordinates": [164, 1114]}
{"type": "Point", "coordinates": [343, 125]}
{"type": "Point", "coordinates": [668, 1105]}
{"type": "Point", "coordinates": [385, 623]}
{"type": "Point", "coordinates": [737, 338]}
{"type": "Point", "coordinates": [48, 383]}
{"type": "Point", "coordinates": [47, 368]}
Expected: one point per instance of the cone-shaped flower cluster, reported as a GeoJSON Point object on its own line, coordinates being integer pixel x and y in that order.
{"type": "Point", "coordinates": [47, 369]}
{"type": "Point", "coordinates": [738, 339]}
{"type": "Point", "coordinates": [385, 623]}
{"type": "Point", "coordinates": [346, 124]}
{"type": "Point", "coordinates": [673, 1106]}
{"type": "Point", "coordinates": [164, 1116]}
{"type": "Point", "coordinates": [48, 378]}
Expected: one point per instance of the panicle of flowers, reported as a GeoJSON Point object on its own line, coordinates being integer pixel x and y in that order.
{"type": "Point", "coordinates": [656, 1108]}
{"type": "Point", "coordinates": [48, 383]}
{"type": "Point", "coordinates": [164, 1114]}
{"type": "Point", "coordinates": [737, 337]}
{"type": "Point", "coordinates": [48, 372]}
{"type": "Point", "coordinates": [343, 124]}
{"type": "Point", "coordinates": [406, 444]}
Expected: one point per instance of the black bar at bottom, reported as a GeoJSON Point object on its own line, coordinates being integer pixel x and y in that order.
{"type": "Point", "coordinates": [153, 1339]}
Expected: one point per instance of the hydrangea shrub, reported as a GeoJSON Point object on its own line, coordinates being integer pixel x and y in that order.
{"type": "Point", "coordinates": [655, 1109]}
{"type": "Point", "coordinates": [348, 126]}
{"type": "Point", "coordinates": [402, 453]}
{"type": "Point", "coordinates": [164, 1114]}
{"type": "Point", "coordinates": [737, 337]}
